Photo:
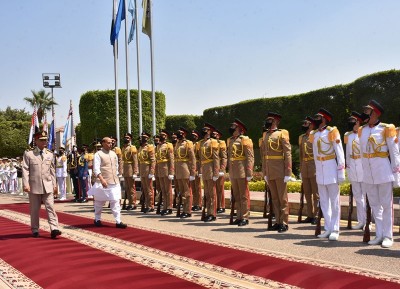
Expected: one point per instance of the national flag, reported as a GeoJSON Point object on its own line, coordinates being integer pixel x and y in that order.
{"type": "Point", "coordinates": [132, 10]}
{"type": "Point", "coordinates": [117, 24]}
{"type": "Point", "coordinates": [146, 24]}
{"type": "Point", "coordinates": [67, 126]}
{"type": "Point", "coordinates": [34, 125]}
{"type": "Point", "coordinates": [45, 124]}
{"type": "Point", "coordinates": [51, 137]}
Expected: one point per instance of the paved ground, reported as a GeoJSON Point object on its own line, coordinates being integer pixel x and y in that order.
{"type": "Point", "coordinates": [298, 242]}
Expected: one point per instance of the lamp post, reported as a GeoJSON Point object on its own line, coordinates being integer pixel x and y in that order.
{"type": "Point", "coordinates": [52, 80]}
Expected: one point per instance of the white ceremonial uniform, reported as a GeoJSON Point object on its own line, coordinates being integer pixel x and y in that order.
{"type": "Point", "coordinates": [378, 143]}
{"type": "Point", "coordinates": [112, 193]}
{"type": "Point", "coordinates": [355, 173]}
{"type": "Point", "coordinates": [330, 170]}
{"type": "Point", "coordinates": [61, 175]}
{"type": "Point", "coordinates": [13, 185]}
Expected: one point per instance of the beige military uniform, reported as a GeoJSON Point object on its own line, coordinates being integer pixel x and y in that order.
{"type": "Point", "coordinates": [221, 180]}
{"type": "Point", "coordinates": [196, 184]}
{"type": "Point", "coordinates": [147, 165]}
{"type": "Point", "coordinates": [185, 166]}
{"type": "Point", "coordinates": [164, 167]}
{"type": "Point", "coordinates": [118, 152]}
{"type": "Point", "coordinates": [240, 163]}
{"type": "Point", "coordinates": [277, 163]}
{"type": "Point", "coordinates": [307, 170]}
{"type": "Point", "coordinates": [208, 151]}
{"type": "Point", "coordinates": [39, 174]}
{"type": "Point", "coordinates": [130, 168]}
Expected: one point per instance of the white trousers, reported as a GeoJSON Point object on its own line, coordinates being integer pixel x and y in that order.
{"type": "Point", "coordinates": [380, 199]}
{"type": "Point", "coordinates": [62, 190]}
{"type": "Point", "coordinates": [359, 193]}
{"type": "Point", "coordinates": [114, 206]}
{"type": "Point", "coordinates": [330, 206]}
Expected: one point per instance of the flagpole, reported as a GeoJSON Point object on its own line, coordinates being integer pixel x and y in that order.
{"type": "Point", "coordinates": [138, 71]}
{"type": "Point", "coordinates": [72, 124]}
{"type": "Point", "coordinates": [153, 97]}
{"type": "Point", "coordinates": [128, 93]}
{"type": "Point", "coordinates": [115, 47]}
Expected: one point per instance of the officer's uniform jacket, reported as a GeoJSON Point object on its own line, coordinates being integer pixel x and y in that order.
{"type": "Point", "coordinates": [222, 156]}
{"type": "Point", "coordinates": [208, 151]}
{"type": "Point", "coordinates": [378, 143]}
{"type": "Point", "coordinates": [185, 160]}
{"type": "Point", "coordinates": [37, 173]}
{"type": "Point", "coordinates": [307, 164]}
{"type": "Point", "coordinates": [83, 166]}
{"type": "Point", "coordinates": [61, 166]}
{"type": "Point", "coordinates": [277, 155]}
{"type": "Point", "coordinates": [129, 161]}
{"type": "Point", "coordinates": [72, 163]}
{"type": "Point", "coordinates": [118, 152]}
{"type": "Point", "coordinates": [240, 157]}
{"type": "Point", "coordinates": [165, 159]}
{"type": "Point", "coordinates": [353, 157]}
{"type": "Point", "coordinates": [147, 160]}
{"type": "Point", "coordinates": [328, 155]}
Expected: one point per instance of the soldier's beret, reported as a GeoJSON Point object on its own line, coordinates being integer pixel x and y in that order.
{"type": "Point", "coordinates": [310, 119]}
{"type": "Point", "coordinates": [240, 124]}
{"type": "Point", "coordinates": [195, 132]}
{"type": "Point", "coordinates": [376, 106]}
{"type": "Point", "coordinates": [274, 115]}
{"type": "Point", "coordinates": [146, 134]}
{"type": "Point", "coordinates": [164, 131]}
{"type": "Point", "coordinates": [219, 132]}
{"type": "Point", "coordinates": [127, 134]}
{"type": "Point", "coordinates": [325, 114]}
{"type": "Point", "coordinates": [113, 138]}
{"type": "Point", "coordinates": [184, 130]}
{"type": "Point", "coordinates": [209, 126]}
{"type": "Point", "coordinates": [357, 116]}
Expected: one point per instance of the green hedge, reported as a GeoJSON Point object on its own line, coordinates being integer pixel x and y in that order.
{"type": "Point", "coordinates": [173, 122]}
{"type": "Point", "coordinates": [97, 113]}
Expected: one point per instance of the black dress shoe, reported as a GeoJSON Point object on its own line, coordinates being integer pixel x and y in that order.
{"type": "Point", "coordinates": [185, 215]}
{"type": "Point", "coordinates": [83, 201]}
{"type": "Point", "coordinates": [236, 222]}
{"type": "Point", "coordinates": [210, 218]}
{"type": "Point", "coordinates": [145, 210]}
{"type": "Point", "coordinates": [314, 221]}
{"type": "Point", "coordinates": [35, 234]}
{"type": "Point", "coordinates": [275, 227]}
{"type": "Point", "coordinates": [121, 225]}
{"type": "Point", "coordinates": [151, 210]}
{"type": "Point", "coordinates": [196, 208]}
{"type": "Point", "coordinates": [129, 207]}
{"type": "Point", "coordinates": [243, 223]}
{"type": "Point", "coordinates": [283, 228]}
{"type": "Point", "coordinates": [163, 212]}
{"type": "Point", "coordinates": [55, 233]}
{"type": "Point", "coordinates": [221, 210]}
{"type": "Point", "coordinates": [168, 212]}
{"type": "Point", "coordinates": [98, 223]}
{"type": "Point", "coordinates": [307, 220]}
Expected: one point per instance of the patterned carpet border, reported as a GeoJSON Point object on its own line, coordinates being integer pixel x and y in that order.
{"type": "Point", "coordinates": [12, 278]}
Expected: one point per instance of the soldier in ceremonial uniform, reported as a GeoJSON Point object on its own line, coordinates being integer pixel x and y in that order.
{"type": "Point", "coordinates": [39, 182]}
{"type": "Point", "coordinates": [83, 174]}
{"type": "Point", "coordinates": [157, 185]}
{"type": "Point", "coordinates": [118, 151]}
{"type": "Point", "coordinates": [185, 169]}
{"type": "Point", "coordinates": [89, 158]}
{"type": "Point", "coordinates": [208, 155]}
{"type": "Point", "coordinates": [381, 170]}
{"type": "Point", "coordinates": [277, 168]}
{"type": "Point", "coordinates": [72, 165]}
{"type": "Point", "coordinates": [165, 170]}
{"type": "Point", "coordinates": [240, 164]}
{"type": "Point", "coordinates": [196, 184]}
{"type": "Point", "coordinates": [354, 167]}
{"type": "Point", "coordinates": [222, 167]}
{"type": "Point", "coordinates": [130, 170]}
{"type": "Point", "coordinates": [307, 171]}
{"type": "Point", "coordinates": [147, 165]}
{"type": "Point", "coordinates": [330, 171]}
{"type": "Point", "coordinates": [61, 173]}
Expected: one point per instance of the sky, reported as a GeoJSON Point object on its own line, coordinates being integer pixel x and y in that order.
{"type": "Point", "coordinates": [207, 53]}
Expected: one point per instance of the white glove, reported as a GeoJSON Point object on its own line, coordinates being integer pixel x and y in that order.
{"type": "Point", "coordinates": [191, 178]}
{"type": "Point", "coordinates": [249, 178]}
{"type": "Point", "coordinates": [221, 174]}
{"type": "Point", "coordinates": [170, 177]}
{"type": "Point", "coordinates": [286, 179]}
{"type": "Point", "coordinates": [151, 176]}
{"type": "Point", "coordinates": [84, 178]}
{"type": "Point", "coordinates": [215, 179]}
{"type": "Point", "coordinates": [134, 176]}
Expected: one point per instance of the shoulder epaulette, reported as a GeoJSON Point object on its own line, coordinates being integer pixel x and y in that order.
{"type": "Point", "coordinates": [360, 130]}
{"type": "Point", "coordinates": [170, 147]}
{"type": "Point", "coordinates": [260, 140]}
{"type": "Point", "coordinates": [333, 133]}
{"type": "Point", "coordinates": [285, 134]}
{"type": "Point", "coordinates": [222, 144]}
{"type": "Point", "coordinates": [330, 128]}
{"type": "Point", "coordinates": [346, 137]}
{"type": "Point", "coordinates": [246, 141]}
{"type": "Point", "coordinates": [214, 144]}
{"type": "Point", "coordinates": [118, 151]}
{"type": "Point", "coordinates": [189, 144]}
{"type": "Point", "coordinates": [63, 158]}
{"type": "Point", "coordinates": [390, 130]}
{"type": "Point", "coordinates": [133, 149]}
{"type": "Point", "coordinates": [311, 136]}
{"type": "Point", "coordinates": [198, 144]}
{"type": "Point", "coordinates": [300, 138]}
{"type": "Point", "coordinates": [150, 148]}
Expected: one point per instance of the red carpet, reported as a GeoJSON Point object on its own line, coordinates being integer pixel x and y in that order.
{"type": "Point", "coordinates": [285, 271]}
{"type": "Point", "coordinates": [63, 263]}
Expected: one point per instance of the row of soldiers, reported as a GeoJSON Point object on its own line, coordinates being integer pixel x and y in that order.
{"type": "Point", "coordinates": [10, 174]}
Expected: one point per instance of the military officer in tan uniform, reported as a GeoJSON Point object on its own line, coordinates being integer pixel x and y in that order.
{"type": "Point", "coordinates": [118, 151]}
{"type": "Point", "coordinates": [156, 184]}
{"type": "Point", "coordinates": [196, 184]}
{"type": "Point", "coordinates": [39, 181]}
{"type": "Point", "coordinates": [147, 166]}
{"type": "Point", "coordinates": [222, 167]}
{"type": "Point", "coordinates": [130, 170]}
{"type": "Point", "coordinates": [277, 168]}
{"type": "Point", "coordinates": [185, 169]}
{"type": "Point", "coordinates": [208, 150]}
{"type": "Point", "coordinates": [240, 164]}
{"type": "Point", "coordinates": [165, 169]}
{"type": "Point", "coordinates": [307, 171]}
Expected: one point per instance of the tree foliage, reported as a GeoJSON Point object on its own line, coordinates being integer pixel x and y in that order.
{"type": "Point", "coordinates": [43, 102]}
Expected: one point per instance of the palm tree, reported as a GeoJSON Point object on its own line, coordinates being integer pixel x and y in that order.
{"type": "Point", "coordinates": [43, 101]}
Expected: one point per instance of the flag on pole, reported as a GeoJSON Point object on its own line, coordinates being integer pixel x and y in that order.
{"type": "Point", "coordinates": [45, 124]}
{"type": "Point", "coordinates": [51, 137]}
{"type": "Point", "coordinates": [117, 24]}
{"type": "Point", "coordinates": [146, 29]}
{"type": "Point", "coordinates": [67, 126]}
{"type": "Point", "coordinates": [132, 11]}
{"type": "Point", "coordinates": [34, 125]}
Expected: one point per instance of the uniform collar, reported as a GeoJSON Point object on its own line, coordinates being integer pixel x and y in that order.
{"type": "Point", "coordinates": [375, 124]}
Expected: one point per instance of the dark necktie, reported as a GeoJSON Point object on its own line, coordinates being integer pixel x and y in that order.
{"type": "Point", "coordinates": [41, 154]}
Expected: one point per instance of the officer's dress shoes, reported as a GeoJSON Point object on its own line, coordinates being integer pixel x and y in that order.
{"type": "Point", "coordinates": [334, 236]}
{"type": "Point", "coordinates": [314, 221]}
{"type": "Point", "coordinates": [243, 223]}
{"type": "Point", "coordinates": [196, 208]}
{"type": "Point", "coordinates": [166, 212]}
{"type": "Point", "coordinates": [55, 233]}
{"type": "Point", "coordinates": [210, 218]}
{"type": "Point", "coordinates": [387, 242]}
{"type": "Point", "coordinates": [120, 225]}
{"type": "Point", "coordinates": [376, 241]}
{"type": "Point", "coordinates": [98, 223]}
{"type": "Point", "coordinates": [220, 210]}
{"type": "Point", "coordinates": [324, 235]}
{"type": "Point", "coordinates": [282, 228]}
{"type": "Point", "coordinates": [236, 222]}
{"type": "Point", "coordinates": [358, 226]}
{"type": "Point", "coordinates": [307, 220]}
{"type": "Point", "coordinates": [130, 207]}
{"type": "Point", "coordinates": [275, 227]}
{"type": "Point", "coordinates": [35, 234]}
{"type": "Point", "coordinates": [185, 215]}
